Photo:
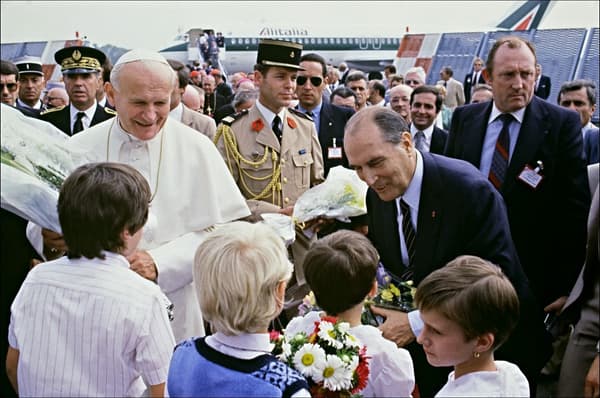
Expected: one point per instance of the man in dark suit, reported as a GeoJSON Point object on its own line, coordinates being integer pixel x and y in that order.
{"type": "Point", "coordinates": [81, 67]}
{"type": "Point", "coordinates": [424, 210]}
{"type": "Point", "coordinates": [532, 151]}
{"type": "Point", "coordinates": [425, 105]}
{"type": "Point", "coordinates": [543, 84]}
{"type": "Point", "coordinates": [329, 119]}
{"type": "Point", "coordinates": [473, 79]}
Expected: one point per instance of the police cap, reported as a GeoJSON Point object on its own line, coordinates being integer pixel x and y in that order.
{"type": "Point", "coordinates": [29, 65]}
{"type": "Point", "coordinates": [79, 59]}
{"type": "Point", "coordinates": [279, 53]}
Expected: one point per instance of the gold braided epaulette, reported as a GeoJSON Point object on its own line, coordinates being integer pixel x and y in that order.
{"type": "Point", "coordinates": [110, 111]}
{"type": "Point", "coordinates": [58, 108]}
{"type": "Point", "coordinates": [228, 120]}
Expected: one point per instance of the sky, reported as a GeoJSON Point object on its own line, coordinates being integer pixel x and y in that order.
{"type": "Point", "coordinates": [153, 24]}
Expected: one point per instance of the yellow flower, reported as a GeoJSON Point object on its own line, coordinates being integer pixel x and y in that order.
{"type": "Point", "coordinates": [394, 290]}
{"type": "Point", "coordinates": [387, 295]}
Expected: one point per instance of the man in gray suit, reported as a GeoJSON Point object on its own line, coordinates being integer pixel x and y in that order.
{"type": "Point", "coordinates": [202, 123]}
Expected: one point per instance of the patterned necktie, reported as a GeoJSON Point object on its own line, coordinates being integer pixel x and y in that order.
{"type": "Point", "coordinates": [276, 127]}
{"type": "Point", "coordinates": [500, 157]}
{"type": "Point", "coordinates": [420, 141]}
{"type": "Point", "coordinates": [78, 126]}
{"type": "Point", "coordinates": [409, 238]}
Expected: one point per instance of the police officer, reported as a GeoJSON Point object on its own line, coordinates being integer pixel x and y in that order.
{"type": "Point", "coordinates": [31, 84]}
{"type": "Point", "coordinates": [271, 149]}
{"type": "Point", "coordinates": [81, 68]}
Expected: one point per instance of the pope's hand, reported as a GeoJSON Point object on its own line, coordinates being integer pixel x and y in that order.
{"type": "Point", "coordinates": [396, 326]}
{"type": "Point", "coordinates": [143, 263]}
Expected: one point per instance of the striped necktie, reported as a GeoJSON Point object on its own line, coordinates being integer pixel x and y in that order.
{"type": "Point", "coordinates": [501, 152]}
{"type": "Point", "coordinates": [409, 238]}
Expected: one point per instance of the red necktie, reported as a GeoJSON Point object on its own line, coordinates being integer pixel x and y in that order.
{"type": "Point", "coordinates": [501, 151]}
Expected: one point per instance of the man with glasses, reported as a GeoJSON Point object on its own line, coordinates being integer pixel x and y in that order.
{"type": "Point", "coordinates": [473, 79]}
{"type": "Point", "coordinates": [9, 82]}
{"type": "Point", "coordinates": [329, 119]}
{"type": "Point", "coordinates": [415, 77]}
{"type": "Point", "coordinates": [357, 82]}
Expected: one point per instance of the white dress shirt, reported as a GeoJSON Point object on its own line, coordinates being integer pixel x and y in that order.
{"type": "Point", "coordinates": [89, 328]}
{"type": "Point", "coordinates": [87, 119]}
{"type": "Point", "coordinates": [428, 132]}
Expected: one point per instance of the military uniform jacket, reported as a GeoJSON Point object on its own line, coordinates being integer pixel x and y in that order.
{"type": "Point", "coordinates": [61, 117]}
{"type": "Point", "coordinates": [298, 158]}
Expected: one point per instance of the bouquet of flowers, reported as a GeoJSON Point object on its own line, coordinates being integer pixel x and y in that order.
{"type": "Point", "coordinates": [341, 196]}
{"type": "Point", "coordinates": [333, 361]}
{"type": "Point", "coordinates": [34, 163]}
{"type": "Point", "coordinates": [393, 293]}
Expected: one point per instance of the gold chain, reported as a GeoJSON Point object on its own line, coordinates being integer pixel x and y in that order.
{"type": "Point", "coordinates": [233, 155]}
{"type": "Point", "coordinates": [162, 139]}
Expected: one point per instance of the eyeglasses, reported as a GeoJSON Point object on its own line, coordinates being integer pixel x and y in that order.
{"type": "Point", "coordinates": [412, 82]}
{"type": "Point", "coordinates": [314, 80]}
{"type": "Point", "coordinates": [9, 86]}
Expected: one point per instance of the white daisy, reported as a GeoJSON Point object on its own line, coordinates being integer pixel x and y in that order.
{"type": "Point", "coordinates": [309, 359]}
{"type": "Point", "coordinates": [352, 341]}
{"type": "Point", "coordinates": [327, 333]}
{"type": "Point", "coordinates": [334, 374]}
{"type": "Point", "coordinates": [286, 351]}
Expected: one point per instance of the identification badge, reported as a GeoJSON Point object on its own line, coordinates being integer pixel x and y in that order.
{"type": "Point", "coordinates": [531, 176]}
{"type": "Point", "coordinates": [334, 152]}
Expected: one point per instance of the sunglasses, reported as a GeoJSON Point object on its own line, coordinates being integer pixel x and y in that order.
{"type": "Point", "coordinates": [412, 82]}
{"type": "Point", "coordinates": [314, 80]}
{"type": "Point", "coordinates": [9, 86]}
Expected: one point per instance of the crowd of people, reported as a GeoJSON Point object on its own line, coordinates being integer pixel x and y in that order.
{"type": "Point", "coordinates": [483, 194]}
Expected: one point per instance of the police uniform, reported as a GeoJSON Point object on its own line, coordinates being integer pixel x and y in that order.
{"type": "Point", "coordinates": [29, 65]}
{"type": "Point", "coordinates": [270, 173]}
{"type": "Point", "coordinates": [77, 60]}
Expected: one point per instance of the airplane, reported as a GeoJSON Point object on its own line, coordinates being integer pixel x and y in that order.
{"type": "Point", "coordinates": [238, 52]}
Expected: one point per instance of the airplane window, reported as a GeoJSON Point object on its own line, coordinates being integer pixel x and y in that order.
{"type": "Point", "coordinates": [253, 41]}
{"type": "Point", "coordinates": [319, 41]}
{"type": "Point", "coordinates": [312, 40]}
{"type": "Point", "coordinates": [344, 41]}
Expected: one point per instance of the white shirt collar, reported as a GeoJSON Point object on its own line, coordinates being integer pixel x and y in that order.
{"type": "Point", "coordinates": [518, 115]}
{"type": "Point", "coordinates": [177, 112]}
{"type": "Point", "coordinates": [89, 114]}
{"type": "Point", "coordinates": [268, 114]}
{"type": "Point", "coordinates": [413, 191]}
{"type": "Point", "coordinates": [428, 131]}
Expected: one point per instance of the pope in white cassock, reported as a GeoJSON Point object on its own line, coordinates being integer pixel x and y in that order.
{"type": "Point", "coordinates": [192, 190]}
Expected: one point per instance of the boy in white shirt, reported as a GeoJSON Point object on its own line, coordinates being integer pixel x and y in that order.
{"type": "Point", "coordinates": [469, 308]}
{"type": "Point", "coordinates": [340, 269]}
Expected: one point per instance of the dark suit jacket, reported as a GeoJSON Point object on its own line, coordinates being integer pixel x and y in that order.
{"type": "Point", "coordinates": [438, 141]}
{"type": "Point", "coordinates": [468, 84]}
{"type": "Point", "coordinates": [332, 122]}
{"type": "Point", "coordinates": [213, 101]}
{"type": "Point", "coordinates": [460, 212]}
{"type": "Point", "coordinates": [548, 224]}
{"type": "Point", "coordinates": [544, 87]}
{"type": "Point", "coordinates": [61, 117]}
{"type": "Point", "coordinates": [591, 145]}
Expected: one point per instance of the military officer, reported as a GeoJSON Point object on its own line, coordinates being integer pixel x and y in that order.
{"type": "Point", "coordinates": [271, 149]}
{"type": "Point", "coordinates": [81, 68]}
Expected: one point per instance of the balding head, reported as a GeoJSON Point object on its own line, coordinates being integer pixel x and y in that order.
{"type": "Point", "coordinates": [191, 99]}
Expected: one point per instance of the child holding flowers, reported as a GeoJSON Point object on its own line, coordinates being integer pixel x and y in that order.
{"type": "Point", "coordinates": [340, 269]}
{"type": "Point", "coordinates": [469, 308]}
{"type": "Point", "coordinates": [240, 274]}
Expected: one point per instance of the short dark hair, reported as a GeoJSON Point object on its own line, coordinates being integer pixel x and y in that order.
{"type": "Point", "coordinates": [475, 294]}
{"type": "Point", "coordinates": [340, 269]}
{"type": "Point", "coordinates": [355, 76]}
{"type": "Point", "coordinates": [378, 85]}
{"type": "Point", "coordinates": [575, 85]}
{"type": "Point", "coordinates": [312, 57]}
{"type": "Point", "coordinates": [375, 75]}
{"type": "Point", "coordinates": [390, 68]}
{"type": "Point", "coordinates": [344, 92]}
{"type": "Point", "coordinates": [428, 89]}
{"type": "Point", "coordinates": [106, 69]}
{"type": "Point", "coordinates": [448, 70]}
{"type": "Point", "coordinates": [8, 68]}
{"type": "Point", "coordinates": [183, 76]}
{"type": "Point", "coordinates": [97, 202]}
{"type": "Point", "coordinates": [511, 42]}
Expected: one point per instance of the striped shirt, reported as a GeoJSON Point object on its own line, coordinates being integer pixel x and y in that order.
{"type": "Point", "coordinates": [89, 328]}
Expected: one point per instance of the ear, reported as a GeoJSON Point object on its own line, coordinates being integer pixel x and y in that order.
{"type": "Point", "coordinates": [486, 76]}
{"type": "Point", "coordinates": [110, 92]}
{"type": "Point", "coordinates": [280, 293]}
{"type": "Point", "coordinates": [406, 141]}
{"type": "Point", "coordinates": [257, 78]}
{"type": "Point", "coordinates": [485, 342]}
{"type": "Point", "coordinates": [373, 291]}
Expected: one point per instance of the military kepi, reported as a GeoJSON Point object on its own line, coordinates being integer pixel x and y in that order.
{"type": "Point", "coordinates": [279, 53]}
{"type": "Point", "coordinates": [29, 65]}
{"type": "Point", "coordinates": [79, 59]}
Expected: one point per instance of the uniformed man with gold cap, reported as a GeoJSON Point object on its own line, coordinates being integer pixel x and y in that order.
{"type": "Point", "coordinates": [271, 149]}
{"type": "Point", "coordinates": [81, 68]}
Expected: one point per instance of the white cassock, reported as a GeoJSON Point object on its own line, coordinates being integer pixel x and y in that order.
{"type": "Point", "coordinates": [193, 191]}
